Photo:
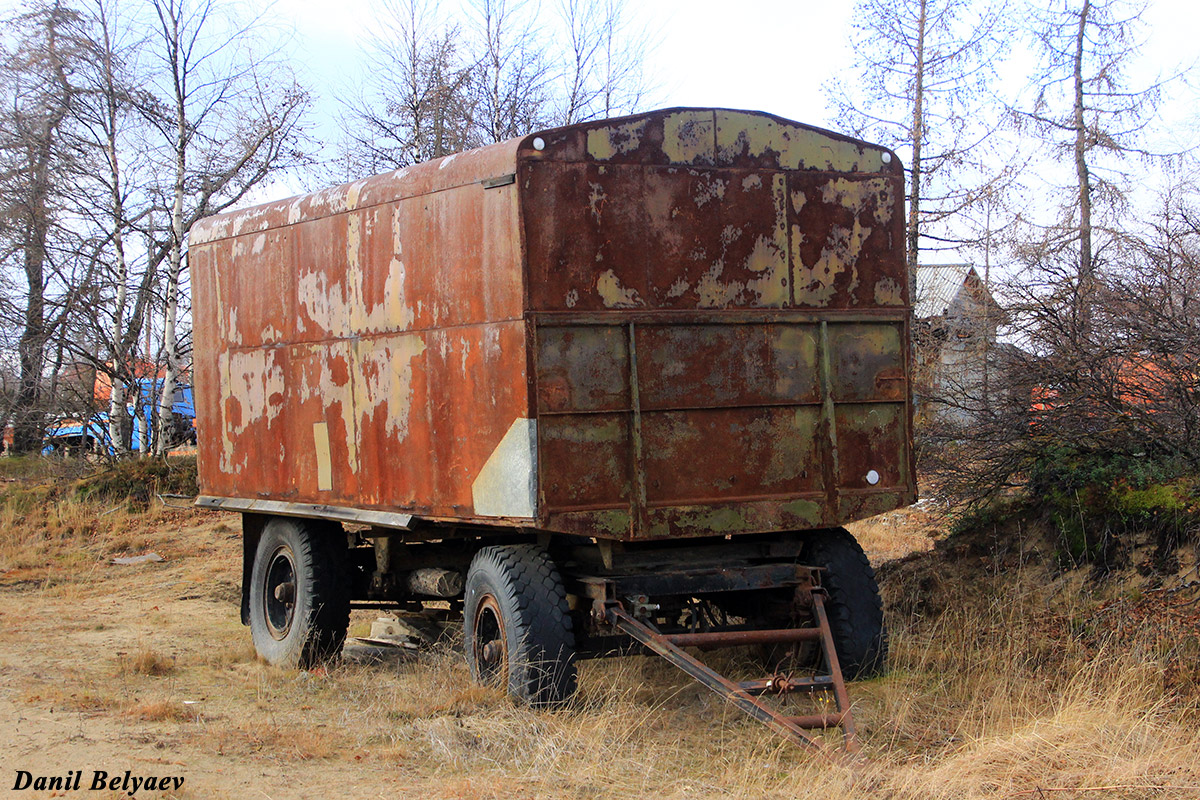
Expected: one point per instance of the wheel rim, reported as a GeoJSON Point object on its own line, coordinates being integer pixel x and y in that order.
{"type": "Point", "coordinates": [279, 593]}
{"type": "Point", "coordinates": [490, 649]}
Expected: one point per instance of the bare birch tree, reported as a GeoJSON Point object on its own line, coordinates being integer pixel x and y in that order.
{"type": "Point", "coordinates": [512, 76]}
{"type": "Point", "coordinates": [603, 75]}
{"type": "Point", "coordinates": [437, 84]}
{"type": "Point", "coordinates": [227, 122]}
{"type": "Point", "coordinates": [422, 109]}
{"type": "Point", "coordinates": [106, 113]}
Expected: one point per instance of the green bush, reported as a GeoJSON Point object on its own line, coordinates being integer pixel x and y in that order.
{"type": "Point", "coordinates": [1096, 499]}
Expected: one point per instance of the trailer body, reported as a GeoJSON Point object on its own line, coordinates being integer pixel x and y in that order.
{"type": "Point", "coordinates": [686, 323]}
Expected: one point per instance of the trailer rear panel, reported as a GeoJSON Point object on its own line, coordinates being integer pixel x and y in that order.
{"type": "Point", "coordinates": [684, 323]}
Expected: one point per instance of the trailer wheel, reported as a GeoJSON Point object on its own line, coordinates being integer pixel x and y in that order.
{"type": "Point", "coordinates": [517, 628]}
{"type": "Point", "coordinates": [853, 606]}
{"type": "Point", "coordinates": [299, 605]}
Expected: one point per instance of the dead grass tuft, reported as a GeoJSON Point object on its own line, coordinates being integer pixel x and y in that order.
{"type": "Point", "coordinates": [82, 700]}
{"type": "Point", "coordinates": [161, 711]}
{"type": "Point", "coordinates": [145, 662]}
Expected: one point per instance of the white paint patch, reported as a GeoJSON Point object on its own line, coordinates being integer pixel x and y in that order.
{"type": "Point", "coordinates": [507, 484]}
{"type": "Point", "coordinates": [252, 382]}
{"type": "Point", "coordinates": [324, 304]}
{"type": "Point", "coordinates": [596, 200]}
{"type": "Point", "coordinates": [353, 191]}
{"type": "Point", "coordinates": [381, 374]}
{"type": "Point", "coordinates": [341, 309]}
{"type": "Point", "coordinates": [233, 334]}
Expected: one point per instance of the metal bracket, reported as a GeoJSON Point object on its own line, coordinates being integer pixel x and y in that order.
{"type": "Point", "coordinates": [496, 183]}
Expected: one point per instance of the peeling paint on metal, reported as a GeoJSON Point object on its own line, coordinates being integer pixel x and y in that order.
{"type": "Point", "coordinates": [382, 373]}
{"type": "Point", "coordinates": [688, 137]}
{"type": "Point", "coordinates": [596, 201]}
{"type": "Point", "coordinates": [711, 189]}
{"type": "Point", "coordinates": [816, 285]}
{"type": "Point", "coordinates": [604, 144]}
{"type": "Point", "coordinates": [720, 519]}
{"type": "Point", "coordinates": [807, 510]}
{"type": "Point", "coordinates": [613, 294]}
{"type": "Point", "coordinates": [252, 388]}
{"type": "Point", "coordinates": [889, 292]}
{"type": "Point", "coordinates": [859, 195]}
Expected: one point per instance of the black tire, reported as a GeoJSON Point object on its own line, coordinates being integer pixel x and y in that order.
{"type": "Point", "coordinates": [299, 600]}
{"type": "Point", "coordinates": [853, 606]}
{"type": "Point", "coordinates": [517, 629]}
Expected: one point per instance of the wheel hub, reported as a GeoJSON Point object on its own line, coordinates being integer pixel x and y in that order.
{"type": "Point", "coordinates": [491, 651]}
{"type": "Point", "coordinates": [279, 599]}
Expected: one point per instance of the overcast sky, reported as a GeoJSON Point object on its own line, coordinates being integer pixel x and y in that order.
{"type": "Point", "coordinates": [759, 54]}
{"type": "Point", "coordinates": [770, 55]}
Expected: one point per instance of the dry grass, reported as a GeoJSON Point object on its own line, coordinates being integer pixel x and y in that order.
{"type": "Point", "coordinates": [145, 662]}
{"type": "Point", "coordinates": [904, 531]}
{"type": "Point", "coordinates": [1008, 679]}
{"type": "Point", "coordinates": [162, 710]}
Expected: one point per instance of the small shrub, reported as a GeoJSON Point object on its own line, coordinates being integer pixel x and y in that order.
{"type": "Point", "coordinates": [992, 513]}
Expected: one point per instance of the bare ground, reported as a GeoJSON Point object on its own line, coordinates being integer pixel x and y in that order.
{"type": "Point", "coordinates": [146, 668]}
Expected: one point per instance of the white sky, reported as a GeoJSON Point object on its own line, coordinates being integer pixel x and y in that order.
{"type": "Point", "coordinates": [767, 55]}
{"type": "Point", "coordinates": [771, 55]}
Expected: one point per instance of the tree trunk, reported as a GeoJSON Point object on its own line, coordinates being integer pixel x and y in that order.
{"type": "Point", "coordinates": [174, 271]}
{"type": "Point", "coordinates": [28, 413]}
{"type": "Point", "coordinates": [918, 137]}
{"type": "Point", "coordinates": [1081, 170]}
{"type": "Point", "coordinates": [116, 400]}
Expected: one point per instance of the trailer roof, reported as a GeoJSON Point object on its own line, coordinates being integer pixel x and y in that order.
{"type": "Point", "coordinates": [773, 140]}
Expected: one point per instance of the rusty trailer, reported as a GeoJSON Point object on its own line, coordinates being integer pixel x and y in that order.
{"type": "Point", "coordinates": [666, 355]}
